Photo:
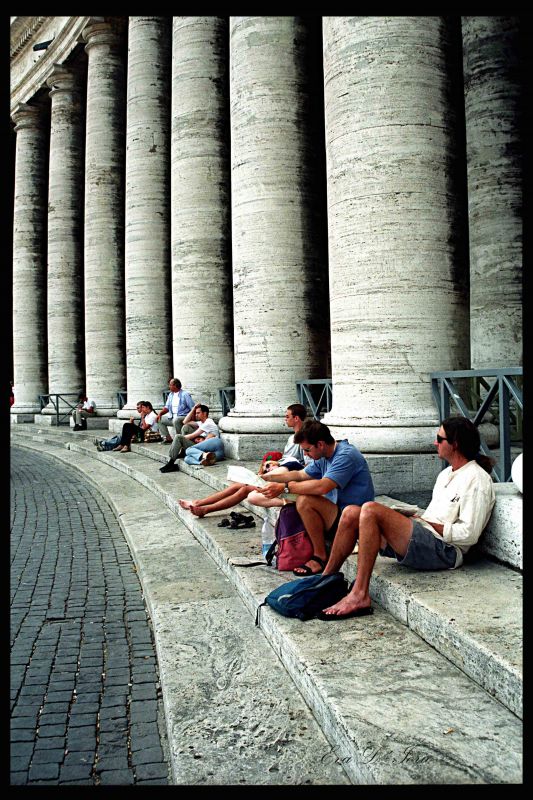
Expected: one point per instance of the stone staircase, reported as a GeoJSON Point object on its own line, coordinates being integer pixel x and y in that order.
{"type": "Point", "coordinates": [427, 690]}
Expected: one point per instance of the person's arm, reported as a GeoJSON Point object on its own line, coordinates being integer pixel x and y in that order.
{"type": "Point", "coordinates": [161, 413]}
{"type": "Point", "coordinates": [306, 485]}
{"type": "Point", "coordinates": [191, 415]}
{"type": "Point", "coordinates": [474, 510]}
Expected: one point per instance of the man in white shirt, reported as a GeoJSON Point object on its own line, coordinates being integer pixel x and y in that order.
{"type": "Point", "coordinates": [179, 403]}
{"type": "Point", "coordinates": [435, 539]}
{"type": "Point", "coordinates": [85, 408]}
{"type": "Point", "coordinates": [205, 428]}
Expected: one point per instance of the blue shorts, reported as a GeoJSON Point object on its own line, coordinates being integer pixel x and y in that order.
{"type": "Point", "coordinates": [424, 551]}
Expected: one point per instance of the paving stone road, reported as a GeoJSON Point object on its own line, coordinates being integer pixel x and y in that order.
{"type": "Point", "coordinates": [85, 697]}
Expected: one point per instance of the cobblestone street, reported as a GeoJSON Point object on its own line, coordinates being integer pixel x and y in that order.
{"type": "Point", "coordinates": [85, 697]}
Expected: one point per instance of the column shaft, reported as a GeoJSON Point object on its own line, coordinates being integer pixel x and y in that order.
{"type": "Point", "coordinates": [66, 356]}
{"type": "Point", "coordinates": [104, 213]}
{"type": "Point", "coordinates": [147, 269]}
{"type": "Point", "coordinates": [201, 253]}
{"type": "Point", "coordinates": [29, 258]}
{"type": "Point", "coordinates": [279, 259]}
{"type": "Point", "coordinates": [492, 74]}
{"type": "Point", "coordinates": [396, 217]}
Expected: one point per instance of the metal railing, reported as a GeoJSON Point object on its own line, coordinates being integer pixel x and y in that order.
{"type": "Point", "coordinates": [503, 398]}
{"type": "Point", "coordinates": [226, 395]}
{"type": "Point", "coordinates": [54, 399]}
{"type": "Point", "coordinates": [316, 394]}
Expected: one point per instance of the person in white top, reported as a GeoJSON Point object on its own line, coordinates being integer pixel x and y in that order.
{"type": "Point", "coordinates": [204, 428]}
{"type": "Point", "coordinates": [437, 538]}
{"type": "Point", "coordinates": [84, 408]}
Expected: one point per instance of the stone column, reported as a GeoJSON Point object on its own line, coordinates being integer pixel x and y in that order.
{"type": "Point", "coordinates": [66, 349]}
{"type": "Point", "coordinates": [148, 342]}
{"type": "Point", "coordinates": [396, 217]}
{"type": "Point", "coordinates": [279, 259]}
{"type": "Point", "coordinates": [104, 213]}
{"type": "Point", "coordinates": [493, 97]}
{"type": "Point", "coordinates": [32, 125]}
{"type": "Point", "coordinates": [201, 252]}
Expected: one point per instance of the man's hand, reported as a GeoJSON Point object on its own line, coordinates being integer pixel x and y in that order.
{"type": "Point", "coordinates": [274, 490]}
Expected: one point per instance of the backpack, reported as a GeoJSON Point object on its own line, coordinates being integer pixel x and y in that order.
{"type": "Point", "coordinates": [305, 597]}
{"type": "Point", "coordinates": [292, 545]}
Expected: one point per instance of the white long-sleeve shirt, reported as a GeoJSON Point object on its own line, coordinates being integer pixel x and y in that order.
{"type": "Point", "coordinates": [462, 501]}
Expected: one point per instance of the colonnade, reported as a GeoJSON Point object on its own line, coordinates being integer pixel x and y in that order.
{"type": "Point", "coordinates": [260, 200]}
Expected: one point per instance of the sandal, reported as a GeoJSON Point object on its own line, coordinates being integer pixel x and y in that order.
{"type": "Point", "coordinates": [245, 522]}
{"type": "Point", "coordinates": [307, 570]}
{"type": "Point", "coordinates": [224, 523]}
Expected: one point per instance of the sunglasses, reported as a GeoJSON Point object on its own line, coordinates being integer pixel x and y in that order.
{"type": "Point", "coordinates": [441, 439]}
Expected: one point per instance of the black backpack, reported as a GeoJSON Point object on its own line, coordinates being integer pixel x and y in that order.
{"type": "Point", "coordinates": [305, 597]}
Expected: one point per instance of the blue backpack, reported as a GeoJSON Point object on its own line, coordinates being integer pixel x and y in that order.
{"type": "Point", "coordinates": [305, 597]}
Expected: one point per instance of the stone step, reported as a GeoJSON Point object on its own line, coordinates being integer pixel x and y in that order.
{"type": "Point", "coordinates": [233, 714]}
{"type": "Point", "coordinates": [473, 615]}
{"type": "Point", "coordinates": [439, 726]}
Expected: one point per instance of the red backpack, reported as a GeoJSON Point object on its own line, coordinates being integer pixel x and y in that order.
{"type": "Point", "coordinates": [292, 545]}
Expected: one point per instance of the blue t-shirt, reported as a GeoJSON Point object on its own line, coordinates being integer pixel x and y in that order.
{"type": "Point", "coordinates": [348, 468]}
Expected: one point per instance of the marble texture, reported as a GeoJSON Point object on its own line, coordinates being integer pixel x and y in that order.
{"type": "Point", "coordinates": [397, 245]}
{"type": "Point", "coordinates": [29, 258]}
{"type": "Point", "coordinates": [147, 215]}
{"type": "Point", "coordinates": [493, 113]}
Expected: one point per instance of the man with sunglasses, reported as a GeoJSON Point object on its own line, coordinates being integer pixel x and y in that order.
{"type": "Point", "coordinates": [435, 539]}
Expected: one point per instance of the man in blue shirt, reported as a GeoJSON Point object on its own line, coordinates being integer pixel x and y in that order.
{"type": "Point", "coordinates": [337, 477]}
{"type": "Point", "coordinates": [179, 403]}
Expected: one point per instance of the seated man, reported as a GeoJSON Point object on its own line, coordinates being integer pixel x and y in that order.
{"type": "Point", "coordinates": [85, 408]}
{"type": "Point", "coordinates": [461, 504]}
{"type": "Point", "coordinates": [293, 456]}
{"type": "Point", "coordinates": [179, 404]}
{"type": "Point", "coordinates": [337, 477]}
{"type": "Point", "coordinates": [205, 428]}
{"type": "Point", "coordinates": [130, 430]}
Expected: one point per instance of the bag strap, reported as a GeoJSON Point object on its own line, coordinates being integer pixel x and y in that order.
{"type": "Point", "coordinates": [257, 612]}
{"type": "Point", "coordinates": [271, 552]}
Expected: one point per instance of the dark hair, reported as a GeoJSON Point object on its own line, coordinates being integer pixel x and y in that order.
{"type": "Point", "coordinates": [176, 381]}
{"type": "Point", "coordinates": [148, 404]}
{"type": "Point", "coordinates": [204, 408]}
{"type": "Point", "coordinates": [463, 433]}
{"type": "Point", "coordinates": [298, 410]}
{"type": "Point", "coordinates": [313, 432]}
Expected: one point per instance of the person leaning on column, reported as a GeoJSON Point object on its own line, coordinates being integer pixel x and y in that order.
{"type": "Point", "coordinates": [179, 404]}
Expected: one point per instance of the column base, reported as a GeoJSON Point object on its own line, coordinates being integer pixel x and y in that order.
{"type": "Point", "coordinates": [387, 438]}
{"type": "Point", "coordinates": [404, 476]}
{"type": "Point", "coordinates": [18, 418]}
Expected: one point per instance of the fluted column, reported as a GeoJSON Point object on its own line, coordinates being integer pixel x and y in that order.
{"type": "Point", "coordinates": [66, 349]}
{"type": "Point", "coordinates": [147, 252]}
{"type": "Point", "coordinates": [201, 254]}
{"type": "Point", "coordinates": [32, 126]}
{"type": "Point", "coordinates": [492, 74]}
{"type": "Point", "coordinates": [279, 260]}
{"type": "Point", "coordinates": [104, 213]}
{"type": "Point", "coordinates": [396, 218]}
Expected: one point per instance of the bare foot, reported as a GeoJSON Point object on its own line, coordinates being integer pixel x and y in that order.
{"type": "Point", "coordinates": [314, 566]}
{"type": "Point", "coordinates": [347, 605]}
{"type": "Point", "coordinates": [185, 503]}
{"type": "Point", "coordinates": [198, 511]}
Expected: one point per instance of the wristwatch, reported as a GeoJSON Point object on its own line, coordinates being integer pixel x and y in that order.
{"type": "Point", "coordinates": [286, 489]}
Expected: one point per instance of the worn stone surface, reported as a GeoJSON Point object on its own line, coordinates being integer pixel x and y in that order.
{"type": "Point", "coordinates": [279, 291]}
{"type": "Point", "coordinates": [66, 346]}
{"type": "Point", "coordinates": [104, 213]}
{"type": "Point", "coordinates": [29, 257]}
{"type": "Point", "coordinates": [493, 98]}
{"type": "Point", "coordinates": [147, 245]}
{"type": "Point", "coordinates": [395, 222]}
{"type": "Point", "coordinates": [202, 327]}
{"type": "Point", "coordinates": [503, 536]}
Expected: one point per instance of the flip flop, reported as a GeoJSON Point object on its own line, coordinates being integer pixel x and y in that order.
{"type": "Point", "coordinates": [237, 515]}
{"type": "Point", "coordinates": [359, 612]}
{"type": "Point", "coordinates": [307, 570]}
{"type": "Point", "coordinates": [245, 522]}
{"type": "Point", "coordinates": [224, 523]}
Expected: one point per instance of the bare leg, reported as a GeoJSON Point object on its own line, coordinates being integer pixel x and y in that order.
{"type": "Point", "coordinates": [375, 523]}
{"type": "Point", "coordinates": [258, 499]}
{"type": "Point", "coordinates": [344, 540]}
{"type": "Point", "coordinates": [318, 515]}
{"type": "Point", "coordinates": [227, 501]}
{"type": "Point", "coordinates": [213, 498]}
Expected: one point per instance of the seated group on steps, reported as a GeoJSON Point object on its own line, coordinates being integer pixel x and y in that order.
{"type": "Point", "coordinates": [331, 485]}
